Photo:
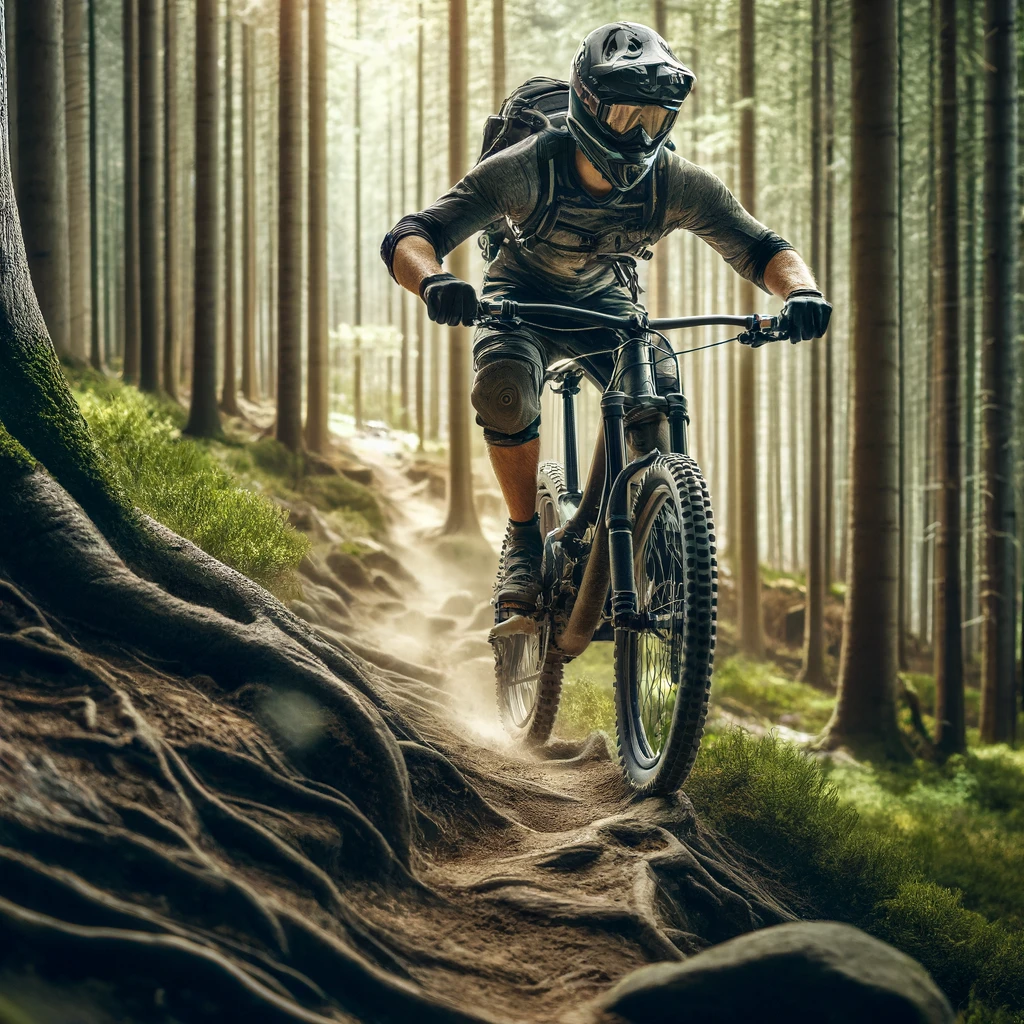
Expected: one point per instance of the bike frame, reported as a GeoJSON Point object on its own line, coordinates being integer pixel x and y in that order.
{"type": "Point", "coordinates": [607, 508]}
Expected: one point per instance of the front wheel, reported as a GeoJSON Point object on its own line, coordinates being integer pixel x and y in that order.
{"type": "Point", "coordinates": [663, 664]}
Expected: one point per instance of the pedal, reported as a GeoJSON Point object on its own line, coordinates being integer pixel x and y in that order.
{"type": "Point", "coordinates": [515, 625]}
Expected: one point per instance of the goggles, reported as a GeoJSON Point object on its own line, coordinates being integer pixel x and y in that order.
{"type": "Point", "coordinates": [622, 118]}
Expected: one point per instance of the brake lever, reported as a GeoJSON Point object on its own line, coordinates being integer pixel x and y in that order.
{"type": "Point", "coordinates": [764, 330]}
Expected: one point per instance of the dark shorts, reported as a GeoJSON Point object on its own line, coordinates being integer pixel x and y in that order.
{"type": "Point", "coordinates": [510, 363]}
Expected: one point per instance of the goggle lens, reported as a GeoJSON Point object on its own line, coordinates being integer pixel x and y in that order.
{"type": "Point", "coordinates": [622, 118]}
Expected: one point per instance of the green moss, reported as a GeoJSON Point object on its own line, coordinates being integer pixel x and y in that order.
{"type": "Point", "coordinates": [870, 855]}
{"type": "Point", "coordinates": [13, 457]}
{"type": "Point", "coordinates": [179, 483]}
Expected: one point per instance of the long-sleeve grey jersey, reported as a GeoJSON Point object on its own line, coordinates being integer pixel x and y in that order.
{"type": "Point", "coordinates": [562, 239]}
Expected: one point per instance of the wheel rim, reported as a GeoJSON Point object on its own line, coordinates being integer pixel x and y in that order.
{"type": "Point", "coordinates": [661, 600]}
{"type": "Point", "coordinates": [520, 658]}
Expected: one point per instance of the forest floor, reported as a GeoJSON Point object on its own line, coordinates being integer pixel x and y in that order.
{"type": "Point", "coordinates": [554, 882]}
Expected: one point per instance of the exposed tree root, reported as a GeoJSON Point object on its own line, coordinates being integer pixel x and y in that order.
{"type": "Point", "coordinates": [238, 812]}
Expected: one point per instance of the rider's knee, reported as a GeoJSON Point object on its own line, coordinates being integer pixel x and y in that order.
{"type": "Point", "coordinates": [506, 396]}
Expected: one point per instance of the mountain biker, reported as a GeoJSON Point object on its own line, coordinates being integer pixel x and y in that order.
{"type": "Point", "coordinates": [610, 188]}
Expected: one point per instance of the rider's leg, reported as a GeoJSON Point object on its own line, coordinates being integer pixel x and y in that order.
{"type": "Point", "coordinates": [506, 396]}
{"type": "Point", "coordinates": [516, 470]}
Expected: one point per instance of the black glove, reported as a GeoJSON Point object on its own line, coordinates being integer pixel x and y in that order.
{"type": "Point", "coordinates": [449, 300]}
{"type": "Point", "coordinates": [807, 314]}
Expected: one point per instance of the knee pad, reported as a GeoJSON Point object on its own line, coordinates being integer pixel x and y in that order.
{"type": "Point", "coordinates": [506, 395]}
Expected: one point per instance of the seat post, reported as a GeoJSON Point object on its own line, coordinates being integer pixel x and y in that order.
{"type": "Point", "coordinates": [569, 390]}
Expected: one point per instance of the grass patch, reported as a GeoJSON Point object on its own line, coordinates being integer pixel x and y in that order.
{"type": "Point", "coordinates": [873, 857]}
{"type": "Point", "coordinates": [759, 688]}
{"type": "Point", "coordinates": [354, 507]}
{"type": "Point", "coordinates": [586, 705]}
{"type": "Point", "coordinates": [180, 483]}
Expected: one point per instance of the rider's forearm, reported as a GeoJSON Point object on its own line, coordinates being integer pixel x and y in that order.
{"type": "Point", "coordinates": [787, 271]}
{"type": "Point", "coordinates": [414, 260]}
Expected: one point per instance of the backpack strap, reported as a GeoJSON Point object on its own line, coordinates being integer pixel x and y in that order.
{"type": "Point", "coordinates": [550, 144]}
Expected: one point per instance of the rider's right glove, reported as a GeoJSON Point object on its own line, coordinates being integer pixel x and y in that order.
{"type": "Point", "coordinates": [807, 313]}
{"type": "Point", "coordinates": [449, 300]}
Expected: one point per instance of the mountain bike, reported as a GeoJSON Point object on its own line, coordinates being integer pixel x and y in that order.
{"type": "Point", "coordinates": [629, 558]}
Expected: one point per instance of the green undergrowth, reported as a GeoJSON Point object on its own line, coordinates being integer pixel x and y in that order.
{"type": "Point", "coordinates": [927, 858]}
{"type": "Point", "coordinates": [180, 483]}
{"type": "Point", "coordinates": [351, 506]}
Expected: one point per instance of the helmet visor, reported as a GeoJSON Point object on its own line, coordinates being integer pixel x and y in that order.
{"type": "Point", "coordinates": [622, 118]}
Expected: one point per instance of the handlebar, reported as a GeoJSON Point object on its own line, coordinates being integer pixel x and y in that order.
{"type": "Point", "coordinates": [757, 329]}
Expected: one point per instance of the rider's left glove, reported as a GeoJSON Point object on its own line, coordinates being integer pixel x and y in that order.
{"type": "Point", "coordinates": [449, 300]}
{"type": "Point", "coordinates": [807, 314]}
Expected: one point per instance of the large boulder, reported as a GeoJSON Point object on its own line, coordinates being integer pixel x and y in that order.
{"type": "Point", "coordinates": [817, 971]}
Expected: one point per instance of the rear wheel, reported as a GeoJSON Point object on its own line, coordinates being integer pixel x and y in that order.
{"type": "Point", "coordinates": [528, 674]}
{"type": "Point", "coordinates": [663, 666]}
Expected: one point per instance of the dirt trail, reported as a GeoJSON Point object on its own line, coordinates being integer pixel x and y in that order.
{"type": "Point", "coordinates": [558, 882]}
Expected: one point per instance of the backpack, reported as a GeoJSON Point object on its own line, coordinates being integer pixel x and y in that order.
{"type": "Point", "coordinates": [538, 104]}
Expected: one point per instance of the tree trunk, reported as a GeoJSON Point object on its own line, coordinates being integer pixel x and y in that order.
{"type": "Point", "coordinates": [950, 734]}
{"type": "Point", "coordinates": [250, 377]}
{"type": "Point", "coordinates": [498, 87]}
{"type": "Point", "coordinates": [76, 112]}
{"type": "Point", "coordinates": [828, 259]}
{"type": "Point", "coordinates": [662, 253]}
{"type": "Point", "coordinates": [421, 316]}
{"type": "Point", "coordinates": [903, 562]}
{"type": "Point", "coordinates": [318, 369]}
{"type": "Point", "coordinates": [998, 589]}
{"type": "Point", "coordinates": [229, 383]}
{"type": "Point", "coordinates": [357, 255]}
{"type": "Point", "coordinates": [11, 53]}
{"type": "Point", "coordinates": [403, 298]}
{"type": "Point", "coordinates": [813, 669]}
{"type": "Point", "coordinates": [96, 284]}
{"type": "Point", "coordinates": [150, 200]}
{"type": "Point", "coordinates": [172, 295]}
{"type": "Point", "coordinates": [289, 296]}
{"type": "Point", "coordinates": [969, 171]}
{"type": "Point", "coordinates": [866, 705]}
{"type": "Point", "coordinates": [751, 637]}
{"type": "Point", "coordinates": [461, 518]}
{"type": "Point", "coordinates": [204, 416]}
{"type": "Point", "coordinates": [42, 170]}
{"type": "Point", "coordinates": [132, 297]}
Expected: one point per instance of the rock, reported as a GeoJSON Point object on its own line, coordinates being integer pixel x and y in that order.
{"type": "Point", "coordinates": [387, 562]}
{"type": "Point", "coordinates": [348, 569]}
{"type": "Point", "coordinates": [459, 604]}
{"type": "Point", "coordinates": [794, 624]}
{"type": "Point", "coordinates": [360, 474]}
{"type": "Point", "coordinates": [819, 971]}
{"type": "Point", "coordinates": [384, 586]}
{"type": "Point", "coordinates": [306, 518]}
